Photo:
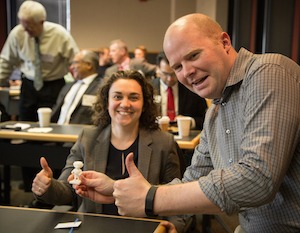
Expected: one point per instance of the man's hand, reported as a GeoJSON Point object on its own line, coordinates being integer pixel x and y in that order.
{"type": "Point", "coordinates": [130, 193]}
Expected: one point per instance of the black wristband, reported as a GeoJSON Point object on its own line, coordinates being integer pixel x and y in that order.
{"type": "Point", "coordinates": [149, 203]}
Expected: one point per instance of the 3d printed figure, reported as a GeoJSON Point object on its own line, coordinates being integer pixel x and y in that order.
{"type": "Point", "coordinates": [76, 172]}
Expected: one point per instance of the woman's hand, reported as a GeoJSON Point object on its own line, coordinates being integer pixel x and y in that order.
{"type": "Point", "coordinates": [95, 186]}
{"type": "Point", "coordinates": [42, 180]}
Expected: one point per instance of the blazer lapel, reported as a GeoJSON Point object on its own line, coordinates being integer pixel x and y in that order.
{"type": "Point", "coordinates": [101, 148]}
{"type": "Point", "coordinates": [145, 153]}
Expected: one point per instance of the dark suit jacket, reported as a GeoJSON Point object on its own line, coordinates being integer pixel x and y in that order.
{"type": "Point", "coordinates": [148, 69]}
{"type": "Point", "coordinates": [190, 104]}
{"type": "Point", "coordinates": [82, 114]}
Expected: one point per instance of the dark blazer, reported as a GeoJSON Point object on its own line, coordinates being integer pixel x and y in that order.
{"type": "Point", "coordinates": [82, 114]}
{"type": "Point", "coordinates": [158, 162]}
{"type": "Point", "coordinates": [190, 104]}
{"type": "Point", "coordinates": [148, 69]}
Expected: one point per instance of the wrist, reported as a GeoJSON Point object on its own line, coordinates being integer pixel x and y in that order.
{"type": "Point", "coordinates": [149, 202]}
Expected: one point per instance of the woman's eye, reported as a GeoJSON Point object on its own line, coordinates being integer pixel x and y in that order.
{"type": "Point", "coordinates": [134, 98]}
{"type": "Point", "coordinates": [117, 97]}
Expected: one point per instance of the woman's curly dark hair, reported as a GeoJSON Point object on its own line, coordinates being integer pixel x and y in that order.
{"type": "Point", "coordinates": [101, 117]}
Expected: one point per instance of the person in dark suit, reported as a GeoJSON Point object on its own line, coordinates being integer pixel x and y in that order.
{"type": "Point", "coordinates": [187, 103]}
{"type": "Point", "coordinates": [120, 58]}
{"type": "Point", "coordinates": [121, 126]}
{"type": "Point", "coordinates": [84, 68]}
{"type": "Point", "coordinates": [69, 108]}
{"type": "Point", "coordinates": [104, 60]}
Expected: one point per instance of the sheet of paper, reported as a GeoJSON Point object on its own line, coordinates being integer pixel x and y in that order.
{"type": "Point", "coordinates": [40, 130]}
{"type": "Point", "coordinates": [67, 225]}
{"type": "Point", "coordinates": [22, 125]}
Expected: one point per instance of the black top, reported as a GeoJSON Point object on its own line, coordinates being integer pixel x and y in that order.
{"type": "Point", "coordinates": [116, 168]}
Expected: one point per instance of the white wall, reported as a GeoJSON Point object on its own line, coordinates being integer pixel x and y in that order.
{"type": "Point", "coordinates": [94, 23]}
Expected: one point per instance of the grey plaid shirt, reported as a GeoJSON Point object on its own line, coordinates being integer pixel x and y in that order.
{"type": "Point", "coordinates": [248, 161]}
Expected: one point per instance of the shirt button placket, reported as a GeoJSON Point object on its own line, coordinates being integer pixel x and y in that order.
{"type": "Point", "coordinates": [227, 131]}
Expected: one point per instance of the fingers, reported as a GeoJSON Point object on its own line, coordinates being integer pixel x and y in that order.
{"type": "Point", "coordinates": [168, 226]}
{"type": "Point", "coordinates": [42, 180]}
{"type": "Point", "coordinates": [90, 178]}
{"type": "Point", "coordinates": [38, 187]}
{"type": "Point", "coordinates": [130, 165]}
{"type": "Point", "coordinates": [37, 190]}
{"type": "Point", "coordinates": [46, 169]}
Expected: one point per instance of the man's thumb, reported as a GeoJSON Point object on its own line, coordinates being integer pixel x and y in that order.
{"type": "Point", "coordinates": [45, 166]}
{"type": "Point", "coordinates": [130, 165]}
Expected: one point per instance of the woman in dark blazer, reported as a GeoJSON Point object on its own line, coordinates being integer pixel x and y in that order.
{"type": "Point", "coordinates": [125, 121]}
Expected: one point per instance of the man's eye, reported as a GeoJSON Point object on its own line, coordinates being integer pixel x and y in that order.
{"type": "Point", "coordinates": [177, 68]}
{"type": "Point", "coordinates": [193, 56]}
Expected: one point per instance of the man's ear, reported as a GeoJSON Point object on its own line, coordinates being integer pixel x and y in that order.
{"type": "Point", "coordinates": [225, 38]}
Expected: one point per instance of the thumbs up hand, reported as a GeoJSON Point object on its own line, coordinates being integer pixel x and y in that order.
{"type": "Point", "coordinates": [130, 193]}
{"type": "Point", "coordinates": [43, 179]}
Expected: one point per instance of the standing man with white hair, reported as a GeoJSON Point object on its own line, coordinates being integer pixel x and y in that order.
{"type": "Point", "coordinates": [43, 51]}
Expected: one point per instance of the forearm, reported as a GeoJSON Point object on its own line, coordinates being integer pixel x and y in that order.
{"type": "Point", "coordinates": [183, 199]}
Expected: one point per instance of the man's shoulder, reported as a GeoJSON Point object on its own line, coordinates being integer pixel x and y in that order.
{"type": "Point", "coordinates": [54, 28]}
{"type": "Point", "coordinates": [18, 30]}
{"type": "Point", "coordinates": [49, 25]}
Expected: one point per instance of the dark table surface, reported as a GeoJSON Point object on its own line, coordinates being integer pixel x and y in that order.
{"type": "Point", "coordinates": [27, 220]}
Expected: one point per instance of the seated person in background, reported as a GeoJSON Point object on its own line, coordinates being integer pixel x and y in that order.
{"type": "Point", "coordinates": [104, 60]}
{"type": "Point", "coordinates": [120, 58]}
{"type": "Point", "coordinates": [125, 121]}
{"type": "Point", "coordinates": [140, 52]}
{"type": "Point", "coordinates": [186, 103]}
{"type": "Point", "coordinates": [74, 102]}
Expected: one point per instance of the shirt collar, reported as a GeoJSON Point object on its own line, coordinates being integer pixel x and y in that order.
{"type": "Point", "coordinates": [236, 75]}
{"type": "Point", "coordinates": [87, 80]}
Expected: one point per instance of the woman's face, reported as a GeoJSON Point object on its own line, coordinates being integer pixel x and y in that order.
{"type": "Point", "coordinates": [125, 103]}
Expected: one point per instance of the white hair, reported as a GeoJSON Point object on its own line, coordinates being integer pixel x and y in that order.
{"type": "Point", "coordinates": [32, 10]}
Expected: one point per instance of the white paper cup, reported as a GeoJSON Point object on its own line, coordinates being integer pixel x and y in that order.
{"type": "Point", "coordinates": [164, 123]}
{"type": "Point", "coordinates": [184, 125]}
{"type": "Point", "coordinates": [44, 115]}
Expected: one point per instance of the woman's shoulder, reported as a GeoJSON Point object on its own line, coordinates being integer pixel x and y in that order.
{"type": "Point", "coordinates": [90, 131]}
{"type": "Point", "coordinates": [160, 136]}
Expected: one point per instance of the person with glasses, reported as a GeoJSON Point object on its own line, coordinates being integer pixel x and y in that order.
{"type": "Point", "coordinates": [75, 100]}
{"type": "Point", "coordinates": [186, 103]}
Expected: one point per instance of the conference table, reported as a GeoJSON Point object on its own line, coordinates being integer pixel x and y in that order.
{"type": "Point", "coordinates": [54, 146]}
{"type": "Point", "coordinates": [69, 133]}
{"type": "Point", "coordinates": [28, 220]}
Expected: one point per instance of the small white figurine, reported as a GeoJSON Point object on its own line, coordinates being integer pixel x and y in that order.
{"type": "Point", "coordinates": [76, 172]}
